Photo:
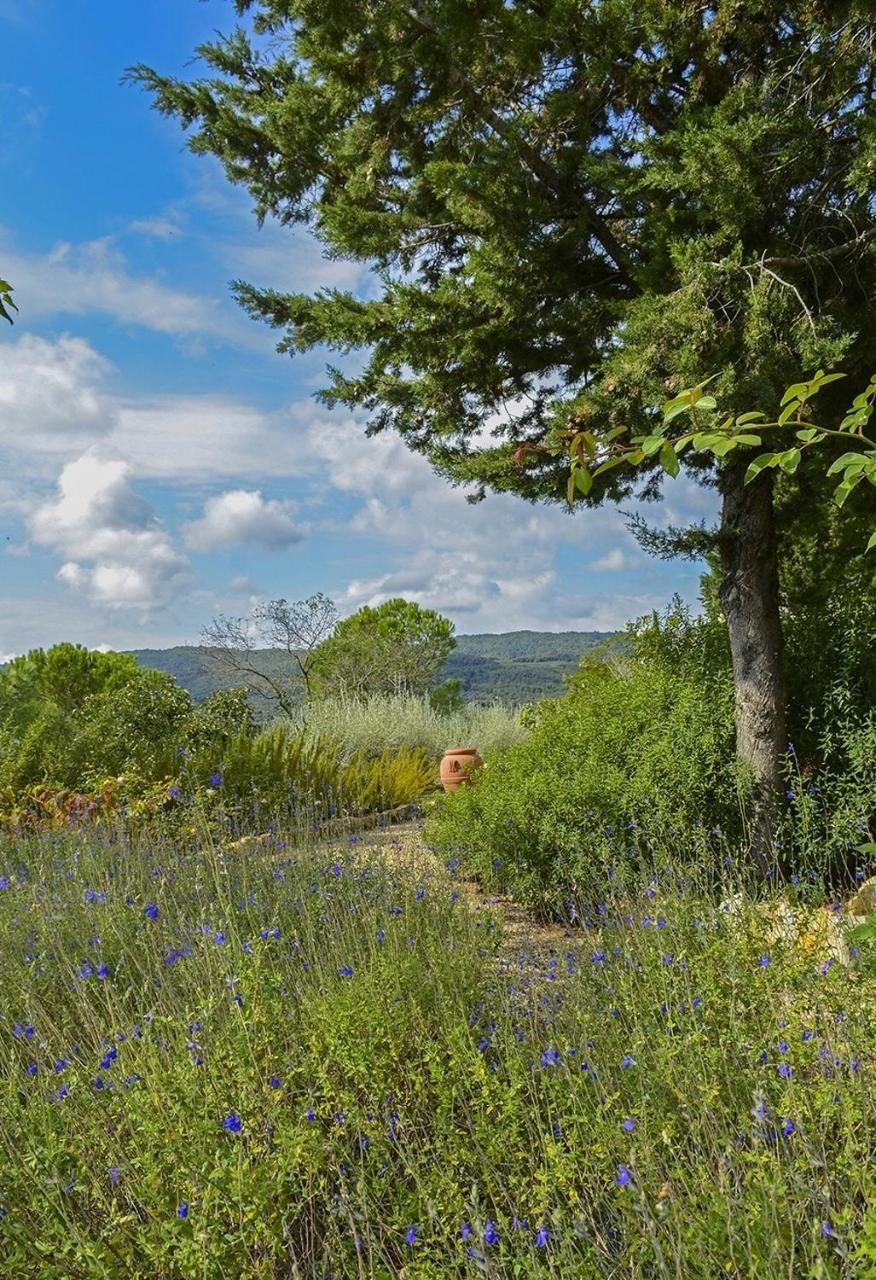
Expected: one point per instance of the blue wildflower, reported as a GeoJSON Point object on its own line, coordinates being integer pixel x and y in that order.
{"type": "Point", "coordinates": [624, 1176]}
{"type": "Point", "coordinates": [345, 971]}
{"type": "Point", "coordinates": [629, 1124]}
{"type": "Point", "coordinates": [151, 911]}
{"type": "Point", "coordinates": [411, 1235]}
{"type": "Point", "coordinates": [491, 1235]}
{"type": "Point", "coordinates": [232, 1123]}
{"type": "Point", "coordinates": [183, 1210]}
{"type": "Point", "coordinates": [542, 1237]}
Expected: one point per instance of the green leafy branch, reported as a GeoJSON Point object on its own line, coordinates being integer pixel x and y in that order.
{"type": "Point", "coordinates": [592, 456]}
{"type": "Point", "coordinates": [6, 303]}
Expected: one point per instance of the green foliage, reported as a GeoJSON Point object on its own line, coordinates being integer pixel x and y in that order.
{"type": "Point", "coordinates": [644, 742]}
{"type": "Point", "coordinates": [511, 667]}
{"type": "Point", "coordinates": [65, 676]}
{"type": "Point", "coordinates": [556, 214]}
{"type": "Point", "coordinates": [642, 1114]}
{"type": "Point", "coordinates": [356, 726]}
{"type": "Point", "coordinates": [283, 771]}
{"type": "Point", "coordinates": [6, 303]}
{"type": "Point", "coordinates": [396, 647]}
{"type": "Point", "coordinates": [447, 696]}
{"type": "Point", "coordinates": [589, 458]}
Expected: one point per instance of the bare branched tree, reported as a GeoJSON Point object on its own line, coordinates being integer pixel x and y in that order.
{"type": "Point", "coordinates": [246, 647]}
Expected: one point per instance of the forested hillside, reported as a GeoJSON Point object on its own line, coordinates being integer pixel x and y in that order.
{"type": "Point", "coordinates": [512, 666]}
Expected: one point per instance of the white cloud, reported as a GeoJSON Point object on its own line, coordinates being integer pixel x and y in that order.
{"type": "Point", "coordinates": [117, 551]}
{"type": "Point", "coordinates": [94, 277]}
{"type": "Point", "coordinates": [612, 562]}
{"type": "Point", "coordinates": [242, 517]}
{"type": "Point", "coordinates": [156, 228]}
{"type": "Point", "coordinates": [50, 394]}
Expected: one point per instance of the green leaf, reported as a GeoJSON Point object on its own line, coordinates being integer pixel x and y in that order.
{"type": "Point", "coordinates": [809, 434]}
{"type": "Point", "coordinates": [870, 846]}
{"type": "Point", "coordinates": [842, 491]}
{"type": "Point", "coordinates": [583, 480]}
{"type": "Point", "coordinates": [822, 379]}
{"type": "Point", "coordinates": [669, 461]}
{"type": "Point", "coordinates": [707, 402]}
{"type": "Point", "coordinates": [723, 447]}
{"type": "Point", "coordinates": [788, 412]}
{"type": "Point", "coordinates": [790, 460]}
{"type": "Point", "coordinates": [651, 445]}
{"type": "Point", "coordinates": [612, 462]}
{"type": "Point", "coordinates": [795, 392]}
{"type": "Point", "coordinates": [869, 547]}
{"type": "Point", "coordinates": [570, 490]}
{"type": "Point", "coordinates": [749, 417]}
{"type": "Point", "coordinates": [759, 464]}
{"type": "Point", "coordinates": [846, 460]}
{"type": "Point", "coordinates": [745, 438]}
{"type": "Point", "coordinates": [674, 410]}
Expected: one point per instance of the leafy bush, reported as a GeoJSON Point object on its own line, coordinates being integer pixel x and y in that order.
{"type": "Point", "coordinates": [396, 721]}
{"type": "Point", "coordinates": [643, 743]}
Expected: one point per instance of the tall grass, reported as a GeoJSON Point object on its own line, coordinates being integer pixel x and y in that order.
{"type": "Point", "coordinates": [310, 1063]}
{"type": "Point", "coordinates": [397, 721]}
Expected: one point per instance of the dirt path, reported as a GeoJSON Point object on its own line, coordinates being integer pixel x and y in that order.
{"type": "Point", "coordinates": [528, 945]}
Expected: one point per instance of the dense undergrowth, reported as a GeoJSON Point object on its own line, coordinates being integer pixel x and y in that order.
{"type": "Point", "coordinates": [316, 1062]}
{"type": "Point", "coordinates": [639, 754]}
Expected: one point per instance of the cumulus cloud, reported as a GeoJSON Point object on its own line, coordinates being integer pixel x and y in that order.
{"type": "Point", "coordinates": [117, 551]}
{"type": "Point", "coordinates": [50, 394]}
{"type": "Point", "coordinates": [242, 517]}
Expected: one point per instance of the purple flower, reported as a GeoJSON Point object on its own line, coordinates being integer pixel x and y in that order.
{"type": "Point", "coordinates": [786, 1071]}
{"type": "Point", "coordinates": [788, 1127]}
{"type": "Point", "coordinates": [542, 1237]}
{"type": "Point", "coordinates": [151, 911]}
{"type": "Point", "coordinates": [411, 1235]}
{"type": "Point", "coordinates": [466, 1232]}
{"type": "Point", "coordinates": [624, 1176]}
{"type": "Point", "coordinates": [310, 1114]}
{"type": "Point", "coordinates": [115, 1174]}
{"type": "Point", "coordinates": [275, 1082]}
{"type": "Point", "coordinates": [764, 961]}
{"type": "Point", "coordinates": [629, 1124]}
{"type": "Point", "coordinates": [827, 1229]}
{"type": "Point", "coordinates": [628, 1060]}
{"type": "Point", "coordinates": [550, 1057]}
{"type": "Point", "coordinates": [491, 1235]}
{"type": "Point", "coordinates": [183, 1210]}
{"type": "Point", "coordinates": [232, 1123]}
{"type": "Point", "coordinates": [345, 971]}
{"type": "Point", "coordinates": [216, 780]}
{"type": "Point", "coordinates": [173, 793]}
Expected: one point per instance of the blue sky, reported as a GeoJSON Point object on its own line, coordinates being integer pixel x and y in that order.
{"type": "Point", "coordinates": [159, 462]}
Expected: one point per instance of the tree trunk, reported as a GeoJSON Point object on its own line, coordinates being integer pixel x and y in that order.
{"type": "Point", "coordinates": [750, 599]}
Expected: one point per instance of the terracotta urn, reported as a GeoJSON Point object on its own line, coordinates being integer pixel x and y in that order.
{"type": "Point", "coordinates": [458, 766]}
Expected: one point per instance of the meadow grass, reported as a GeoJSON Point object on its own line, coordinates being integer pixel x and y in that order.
{"type": "Point", "coordinates": [321, 1061]}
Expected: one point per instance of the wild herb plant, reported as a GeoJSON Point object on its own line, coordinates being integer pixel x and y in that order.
{"type": "Point", "coordinates": [312, 1061]}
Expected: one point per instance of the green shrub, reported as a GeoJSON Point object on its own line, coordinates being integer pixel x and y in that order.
{"type": "Point", "coordinates": [642, 743]}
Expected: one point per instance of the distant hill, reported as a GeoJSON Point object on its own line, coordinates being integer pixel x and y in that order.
{"type": "Point", "coordinates": [509, 666]}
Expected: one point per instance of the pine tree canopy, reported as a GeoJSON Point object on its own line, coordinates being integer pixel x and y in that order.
{"type": "Point", "coordinates": [571, 207]}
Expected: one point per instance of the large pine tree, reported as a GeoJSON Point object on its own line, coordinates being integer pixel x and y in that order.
{"type": "Point", "coordinates": [572, 207]}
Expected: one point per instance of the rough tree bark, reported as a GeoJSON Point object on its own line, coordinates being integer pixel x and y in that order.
{"type": "Point", "coordinates": [750, 599]}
